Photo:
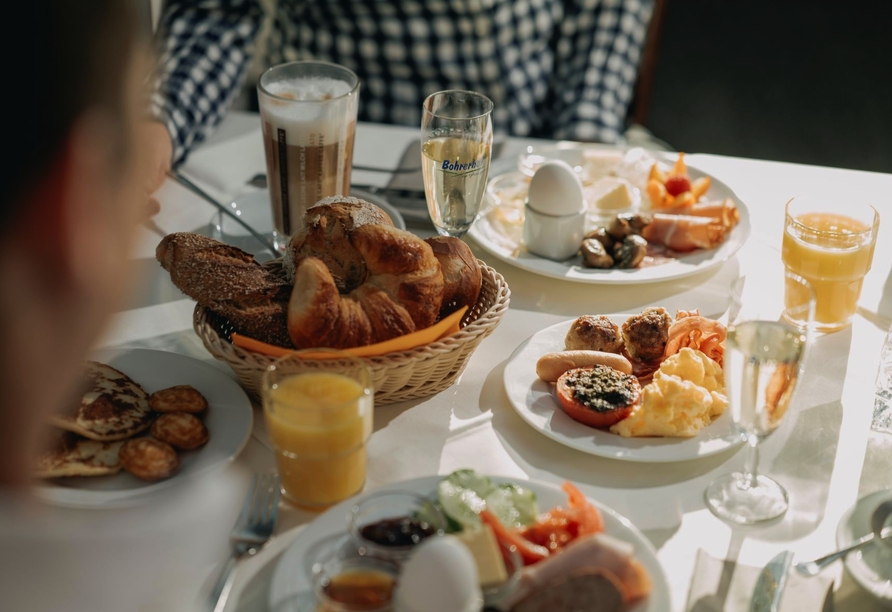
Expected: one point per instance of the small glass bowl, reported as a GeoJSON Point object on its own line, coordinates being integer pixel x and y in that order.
{"type": "Point", "coordinates": [366, 567]}
{"type": "Point", "coordinates": [590, 161]}
{"type": "Point", "coordinates": [391, 505]}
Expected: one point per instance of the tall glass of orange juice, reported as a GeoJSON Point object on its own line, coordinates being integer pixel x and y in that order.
{"type": "Point", "coordinates": [318, 405]}
{"type": "Point", "coordinates": [831, 245]}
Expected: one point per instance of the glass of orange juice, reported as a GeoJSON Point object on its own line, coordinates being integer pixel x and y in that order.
{"type": "Point", "coordinates": [830, 245]}
{"type": "Point", "coordinates": [318, 405]}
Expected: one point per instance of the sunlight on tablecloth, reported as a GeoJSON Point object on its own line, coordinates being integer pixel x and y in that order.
{"type": "Point", "coordinates": [719, 585]}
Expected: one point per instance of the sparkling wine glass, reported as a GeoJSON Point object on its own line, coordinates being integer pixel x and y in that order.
{"type": "Point", "coordinates": [770, 321]}
{"type": "Point", "coordinates": [456, 144]}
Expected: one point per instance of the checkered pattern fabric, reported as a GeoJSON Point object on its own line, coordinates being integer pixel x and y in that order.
{"type": "Point", "coordinates": [553, 68]}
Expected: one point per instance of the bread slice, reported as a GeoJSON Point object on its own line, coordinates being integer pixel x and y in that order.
{"type": "Point", "coordinates": [462, 275]}
{"type": "Point", "coordinates": [72, 455]}
{"type": "Point", "coordinates": [112, 407]}
{"type": "Point", "coordinates": [229, 282]}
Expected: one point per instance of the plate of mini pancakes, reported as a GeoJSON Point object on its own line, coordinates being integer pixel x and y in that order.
{"type": "Point", "coordinates": [143, 420]}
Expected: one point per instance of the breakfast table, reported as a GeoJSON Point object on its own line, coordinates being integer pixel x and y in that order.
{"type": "Point", "coordinates": [825, 453]}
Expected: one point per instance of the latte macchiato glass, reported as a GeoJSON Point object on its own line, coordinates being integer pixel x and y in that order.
{"type": "Point", "coordinates": [308, 110]}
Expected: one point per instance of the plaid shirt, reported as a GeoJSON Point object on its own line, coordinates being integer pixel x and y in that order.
{"type": "Point", "coordinates": [553, 68]}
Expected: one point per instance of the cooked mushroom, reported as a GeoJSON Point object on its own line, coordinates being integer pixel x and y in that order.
{"type": "Point", "coordinates": [619, 228]}
{"type": "Point", "coordinates": [600, 234]}
{"type": "Point", "coordinates": [630, 252]}
{"type": "Point", "coordinates": [628, 223]}
{"type": "Point", "coordinates": [594, 255]}
{"type": "Point", "coordinates": [638, 221]}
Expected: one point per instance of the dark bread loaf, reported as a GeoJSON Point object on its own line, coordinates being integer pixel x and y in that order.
{"type": "Point", "coordinates": [462, 276]}
{"type": "Point", "coordinates": [229, 282]}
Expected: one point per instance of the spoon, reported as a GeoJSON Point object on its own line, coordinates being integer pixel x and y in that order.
{"type": "Point", "coordinates": [877, 522]}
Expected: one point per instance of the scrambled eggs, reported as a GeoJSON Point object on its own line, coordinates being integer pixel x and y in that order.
{"type": "Point", "coordinates": [686, 395]}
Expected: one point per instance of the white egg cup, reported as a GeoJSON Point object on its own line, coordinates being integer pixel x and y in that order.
{"type": "Point", "coordinates": [554, 211]}
{"type": "Point", "coordinates": [556, 237]}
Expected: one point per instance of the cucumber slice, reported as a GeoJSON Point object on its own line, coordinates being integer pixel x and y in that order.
{"type": "Point", "coordinates": [459, 503]}
{"type": "Point", "coordinates": [469, 479]}
{"type": "Point", "coordinates": [426, 515]}
{"type": "Point", "coordinates": [513, 505]}
{"type": "Point", "coordinates": [452, 526]}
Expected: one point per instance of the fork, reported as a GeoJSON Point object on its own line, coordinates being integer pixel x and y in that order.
{"type": "Point", "coordinates": [252, 530]}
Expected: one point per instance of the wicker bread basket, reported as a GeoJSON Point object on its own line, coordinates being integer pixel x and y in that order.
{"type": "Point", "coordinates": [397, 377]}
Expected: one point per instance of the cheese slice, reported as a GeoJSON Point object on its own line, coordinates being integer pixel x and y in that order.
{"type": "Point", "coordinates": [610, 193]}
{"type": "Point", "coordinates": [485, 549]}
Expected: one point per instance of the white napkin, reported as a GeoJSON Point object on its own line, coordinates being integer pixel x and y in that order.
{"type": "Point", "coordinates": [725, 586]}
{"type": "Point", "coordinates": [226, 163]}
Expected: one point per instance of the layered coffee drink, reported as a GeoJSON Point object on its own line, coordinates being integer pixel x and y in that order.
{"type": "Point", "coordinates": [308, 111]}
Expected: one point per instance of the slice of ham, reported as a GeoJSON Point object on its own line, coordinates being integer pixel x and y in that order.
{"type": "Point", "coordinates": [590, 590]}
{"type": "Point", "coordinates": [684, 232]}
{"type": "Point", "coordinates": [597, 552]}
{"type": "Point", "coordinates": [724, 211]}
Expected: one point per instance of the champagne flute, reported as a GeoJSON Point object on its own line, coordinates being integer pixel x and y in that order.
{"type": "Point", "coordinates": [764, 353]}
{"type": "Point", "coordinates": [456, 144]}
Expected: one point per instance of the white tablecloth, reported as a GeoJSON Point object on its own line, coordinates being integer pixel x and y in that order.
{"type": "Point", "coordinates": [824, 453]}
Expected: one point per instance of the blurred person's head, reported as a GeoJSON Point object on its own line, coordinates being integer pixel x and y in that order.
{"type": "Point", "coordinates": [70, 202]}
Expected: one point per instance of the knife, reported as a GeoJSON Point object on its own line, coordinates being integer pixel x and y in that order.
{"type": "Point", "coordinates": [770, 584]}
{"type": "Point", "coordinates": [182, 180]}
{"type": "Point", "coordinates": [411, 203]}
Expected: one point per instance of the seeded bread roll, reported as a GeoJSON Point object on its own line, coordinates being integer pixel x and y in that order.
{"type": "Point", "coordinates": [229, 282]}
{"type": "Point", "coordinates": [325, 235]}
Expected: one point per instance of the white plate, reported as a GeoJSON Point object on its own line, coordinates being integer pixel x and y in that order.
{"type": "Point", "coordinates": [871, 567]}
{"type": "Point", "coordinates": [492, 240]}
{"type": "Point", "coordinates": [532, 399]}
{"type": "Point", "coordinates": [291, 575]}
{"type": "Point", "coordinates": [229, 420]}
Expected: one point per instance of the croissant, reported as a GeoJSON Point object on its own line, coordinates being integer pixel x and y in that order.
{"type": "Point", "coordinates": [402, 292]}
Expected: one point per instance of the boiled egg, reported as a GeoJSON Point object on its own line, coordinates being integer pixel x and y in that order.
{"type": "Point", "coordinates": [556, 190]}
{"type": "Point", "coordinates": [554, 215]}
{"type": "Point", "coordinates": [440, 576]}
